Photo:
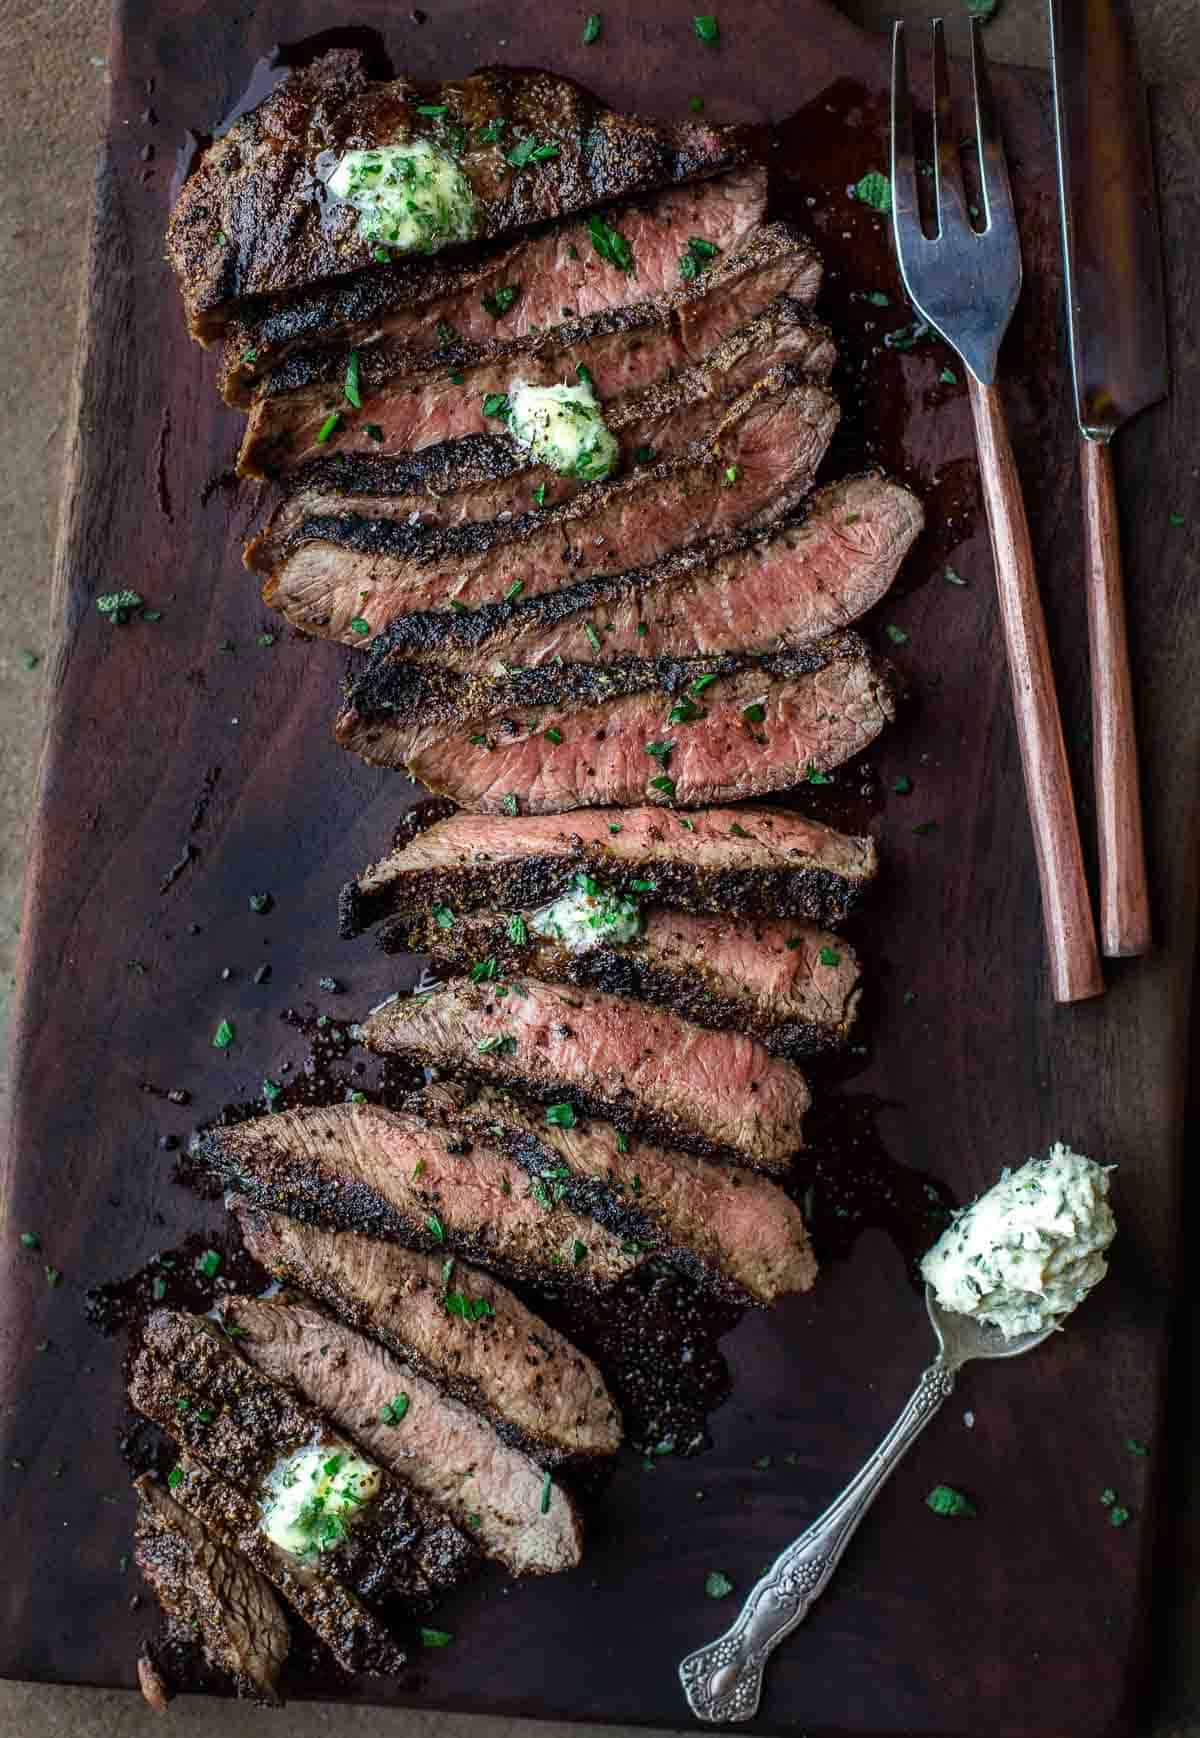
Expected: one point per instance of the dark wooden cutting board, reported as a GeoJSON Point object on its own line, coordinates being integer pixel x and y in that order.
{"type": "Point", "coordinates": [165, 748]}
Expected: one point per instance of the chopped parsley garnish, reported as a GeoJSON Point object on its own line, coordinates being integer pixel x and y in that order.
{"type": "Point", "coordinates": [517, 930]}
{"type": "Point", "coordinates": [732, 473]}
{"type": "Point", "coordinates": [896, 635]}
{"type": "Point", "coordinates": [622, 1141]}
{"type": "Point", "coordinates": [560, 1116]}
{"type": "Point", "coordinates": [547, 1488]}
{"type": "Point", "coordinates": [614, 826]}
{"type": "Point", "coordinates": [528, 150]}
{"type": "Point", "coordinates": [435, 1228]}
{"type": "Point", "coordinates": [982, 9]}
{"type": "Point", "coordinates": [664, 784]}
{"type": "Point", "coordinates": [30, 1240]}
{"type": "Point", "coordinates": [643, 455]}
{"type": "Point", "coordinates": [437, 110]}
{"type": "Point", "coordinates": [814, 776]}
{"type": "Point", "coordinates": [874, 190]}
{"type": "Point", "coordinates": [116, 605]}
{"type": "Point", "coordinates": [359, 625]}
{"type": "Point", "coordinates": [1135, 1447]}
{"type": "Point", "coordinates": [443, 917]}
{"type": "Point", "coordinates": [175, 1478]}
{"type": "Point", "coordinates": [468, 1309]}
{"type": "Point", "coordinates": [610, 244]}
{"type": "Point", "coordinates": [643, 886]}
{"type": "Point", "coordinates": [381, 254]}
{"type": "Point", "coordinates": [591, 29]}
{"type": "Point", "coordinates": [351, 388]}
{"type": "Point", "coordinates": [1175, 519]}
{"type": "Point", "coordinates": [659, 750]}
{"type": "Point", "coordinates": [696, 104]}
{"type": "Point", "coordinates": [53, 1277]}
{"type": "Point", "coordinates": [948, 377]}
{"type": "Point", "coordinates": [223, 1036]}
{"type": "Point", "coordinates": [511, 804]}
{"type": "Point", "coordinates": [209, 1264]}
{"type": "Point", "coordinates": [490, 135]}
{"type": "Point", "coordinates": [907, 337]}
{"type": "Point", "coordinates": [593, 638]}
{"type": "Point", "coordinates": [554, 735]}
{"type": "Point", "coordinates": [584, 374]}
{"type": "Point", "coordinates": [740, 832]}
{"type": "Point", "coordinates": [496, 1045]}
{"type": "Point", "coordinates": [707, 28]}
{"type": "Point", "coordinates": [539, 495]}
{"type": "Point", "coordinates": [701, 683]}
{"type": "Point", "coordinates": [754, 713]}
{"type": "Point", "coordinates": [496, 404]}
{"type": "Point", "coordinates": [435, 1637]}
{"type": "Point", "coordinates": [716, 1585]}
{"type": "Point", "coordinates": [953, 578]}
{"type": "Point", "coordinates": [328, 426]}
{"type": "Point", "coordinates": [877, 299]}
{"type": "Point", "coordinates": [943, 1500]}
{"type": "Point", "coordinates": [514, 590]}
{"type": "Point", "coordinates": [456, 377]}
{"type": "Point", "coordinates": [696, 257]}
{"type": "Point", "coordinates": [484, 970]}
{"type": "Point", "coordinates": [373, 431]}
{"type": "Point", "coordinates": [685, 712]}
{"type": "Point", "coordinates": [393, 1410]}
{"type": "Point", "coordinates": [578, 1252]}
{"type": "Point", "coordinates": [829, 956]}
{"type": "Point", "coordinates": [903, 785]}
{"type": "Point", "coordinates": [500, 300]}
{"type": "Point", "coordinates": [1118, 1515]}
{"type": "Point", "coordinates": [260, 903]}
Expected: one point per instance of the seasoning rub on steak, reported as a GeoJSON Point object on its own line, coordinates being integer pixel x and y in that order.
{"type": "Point", "coordinates": [756, 861]}
{"type": "Point", "coordinates": [764, 727]}
{"type": "Point", "coordinates": [537, 1389]}
{"type": "Point", "coordinates": [723, 1224]}
{"type": "Point", "coordinates": [346, 577]}
{"type": "Point", "coordinates": [256, 217]}
{"type": "Point", "coordinates": [409, 402]}
{"type": "Point", "coordinates": [354, 1635]}
{"type": "Point", "coordinates": [451, 305]}
{"type": "Point", "coordinates": [793, 987]}
{"type": "Point", "coordinates": [718, 1094]}
{"type": "Point", "coordinates": [213, 1593]}
{"type": "Point", "coordinates": [489, 476]}
{"type": "Point", "coordinates": [190, 1381]}
{"type": "Point", "coordinates": [359, 1167]}
{"type": "Point", "coordinates": [496, 1494]}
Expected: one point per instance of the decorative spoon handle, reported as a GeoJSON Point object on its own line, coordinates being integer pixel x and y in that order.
{"type": "Point", "coordinates": [723, 1681]}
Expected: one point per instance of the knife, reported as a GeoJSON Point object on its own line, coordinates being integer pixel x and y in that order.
{"type": "Point", "coordinates": [1117, 330]}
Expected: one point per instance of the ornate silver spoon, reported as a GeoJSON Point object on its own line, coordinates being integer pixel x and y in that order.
{"type": "Point", "coordinates": [723, 1681]}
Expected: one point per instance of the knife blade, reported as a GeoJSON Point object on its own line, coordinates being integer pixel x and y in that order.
{"type": "Point", "coordinates": [1111, 245]}
{"type": "Point", "coordinates": [1116, 324]}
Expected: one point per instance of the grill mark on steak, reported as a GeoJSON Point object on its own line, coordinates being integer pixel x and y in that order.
{"type": "Point", "coordinates": [410, 402]}
{"type": "Point", "coordinates": [343, 569]}
{"type": "Point", "coordinates": [359, 1167]}
{"type": "Point", "coordinates": [252, 219]}
{"type": "Point", "coordinates": [721, 1224]}
{"type": "Point", "coordinates": [765, 977]}
{"type": "Point", "coordinates": [213, 1592]}
{"type": "Point", "coordinates": [537, 1389]}
{"type": "Point", "coordinates": [357, 1639]}
{"type": "Point", "coordinates": [427, 310]}
{"type": "Point", "coordinates": [489, 476]}
{"type": "Point", "coordinates": [716, 1094]}
{"type": "Point", "coordinates": [810, 711]}
{"type": "Point", "coordinates": [492, 1491]}
{"type": "Point", "coordinates": [241, 1426]}
{"type": "Point", "coordinates": [757, 861]}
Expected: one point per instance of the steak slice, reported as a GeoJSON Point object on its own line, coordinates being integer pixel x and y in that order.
{"type": "Point", "coordinates": [480, 477]}
{"type": "Point", "coordinates": [794, 988]}
{"type": "Point", "coordinates": [343, 569]}
{"type": "Point", "coordinates": [359, 1167]}
{"type": "Point", "coordinates": [764, 727]}
{"type": "Point", "coordinates": [191, 1382]}
{"type": "Point", "coordinates": [212, 1592]}
{"type": "Point", "coordinates": [423, 307]}
{"type": "Point", "coordinates": [410, 401]}
{"type": "Point", "coordinates": [358, 1640]}
{"type": "Point", "coordinates": [750, 862]}
{"type": "Point", "coordinates": [718, 1094]}
{"type": "Point", "coordinates": [495, 1493]}
{"type": "Point", "coordinates": [254, 220]}
{"type": "Point", "coordinates": [778, 590]}
{"type": "Point", "coordinates": [722, 1224]}
{"type": "Point", "coordinates": [535, 1387]}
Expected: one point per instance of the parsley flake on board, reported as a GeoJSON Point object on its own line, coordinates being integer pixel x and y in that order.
{"type": "Point", "coordinates": [896, 635]}
{"type": "Point", "coordinates": [707, 29]}
{"type": "Point", "coordinates": [814, 776]}
{"type": "Point", "coordinates": [903, 785]}
{"type": "Point", "coordinates": [435, 1637]}
{"type": "Point", "coordinates": [224, 1035]}
{"type": "Point", "coordinates": [591, 29]}
{"type": "Point", "coordinates": [953, 578]}
{"type": "Point", "coordinates": [716, 1585]}
{"type": "Point", "coordinates": [944, 1500]}
{"type": "Point", "coordinates": [30, 1240]}
{"type": "Point", "coordinates": [209, 1264]}
{"type": "Point", "coordinates": [875, 190]}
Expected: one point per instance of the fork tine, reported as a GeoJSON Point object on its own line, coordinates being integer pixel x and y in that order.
{"type": "Point", "coordinates": [951, 194]}
{"type": "Point", "coordinates": [993, 165]}
{"type": "Point", "coordinates": [906, 213]}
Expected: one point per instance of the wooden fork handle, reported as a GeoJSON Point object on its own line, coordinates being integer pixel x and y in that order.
{"type": "Point", "coordinates": [1124, 896]}
{"type": "Point", "coordinates": [1066, 906]}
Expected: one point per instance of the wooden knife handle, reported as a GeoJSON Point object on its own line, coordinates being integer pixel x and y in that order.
{"type": "Point", "coordinates": [1066, 906]}
{"type": "Point", "coordinates": [1124, 896]}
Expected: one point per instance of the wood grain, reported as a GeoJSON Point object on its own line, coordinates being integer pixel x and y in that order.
{"type": "Point", "coordinates": [1124, 892]}
{"type": "Point", "coordinates": [159, 739]}
{"type": "Point", "coordinates": [1066, 903]}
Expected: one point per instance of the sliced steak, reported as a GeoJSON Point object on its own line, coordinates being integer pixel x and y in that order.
{"type": "Point", "coordinates": [192, 1383]}
{"type": "Point", "coordinates": [496, 1494]}
{"type": "Point", "coordinates": [535, 1387]}
{"type": "Point", "coordinates": [359, 1167]}
{"type": "Point", "coordinates": [750, 862]}
{"type": "Point", "coordinates": [718, 1094]}
{"type": "Point", "coordinates": [212, 1592]}
{"type": "Point", "coordinates": [357, 1639]}
{"type": "Point", "coordinates": [410, 402]}
{"type": "Point", "coordinates": [479, 477]}
{"type": "Point", "coordinates": [794, 988]}
{"type": "Point", "coordinates": [346, 577]}
{"type": "Point", "coordinates": [722, 1224]}
{"type": "Point", "coordinates": [254, 218]}
{"type": "Point", "coordinates": [777, 590]}
{"type": "Point", "coordinates": [765, 727]}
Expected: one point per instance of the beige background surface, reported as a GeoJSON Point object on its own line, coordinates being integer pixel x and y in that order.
{"type": "Point", "coordinates": [53, 94]}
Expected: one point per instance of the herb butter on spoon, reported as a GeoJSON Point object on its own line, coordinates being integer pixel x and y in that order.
{"type": "Point", "coordinates": [1023, 1255]}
